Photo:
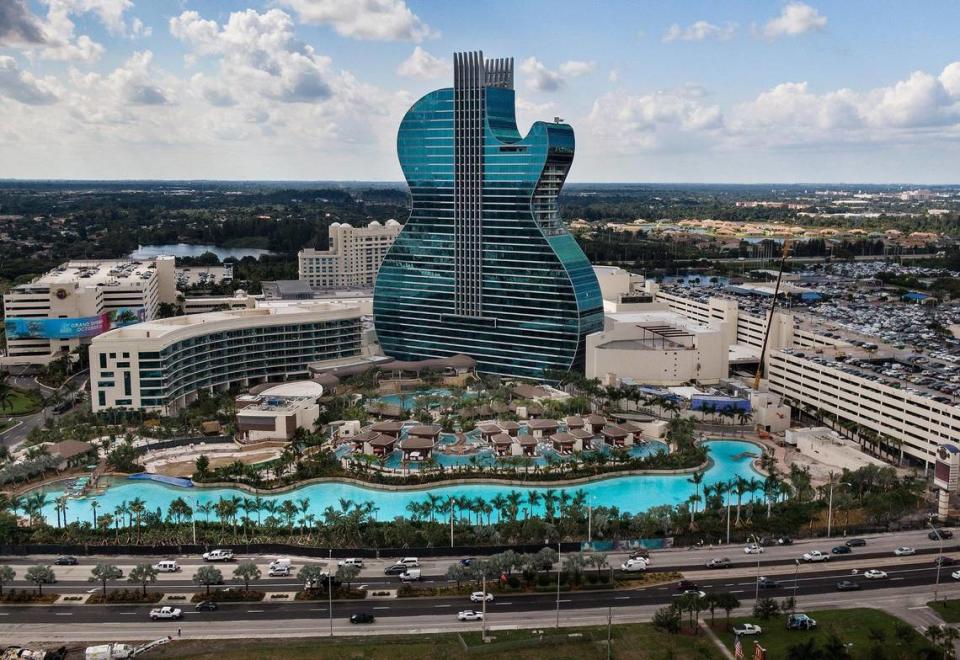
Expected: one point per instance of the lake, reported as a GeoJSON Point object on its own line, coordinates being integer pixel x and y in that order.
{"type": "Point", "coordinates": [190, 250]}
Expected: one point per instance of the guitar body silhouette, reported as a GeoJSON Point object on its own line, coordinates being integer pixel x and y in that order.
{"type": "Point", "coordinates": [484, 266]}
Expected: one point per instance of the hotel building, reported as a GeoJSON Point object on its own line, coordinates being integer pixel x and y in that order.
{"type": "Point", "coordinates": [353, 259]}
{"type": "Point", "coordinates": [162, 365]}
{"type": "Point", "coordinates": [63, 309]}
{"type": "Point", "coordinates": [484, 266]}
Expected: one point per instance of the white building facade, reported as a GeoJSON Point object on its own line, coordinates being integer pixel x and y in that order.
{"type": "Point", "coordinates": [162, 365]}
{"type": "Point", "coordinates": [64, 309]}
{"type": "Point", "coordinates": [353, 259]}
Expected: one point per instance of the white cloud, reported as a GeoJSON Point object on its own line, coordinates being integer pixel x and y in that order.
{"type": "Point", "coordinates": [18, 26]}
{"type": "Point", "coordinates": [654, 120]}
{"type": "Point", "coordinates": [425, 66]}
{"type": "Point", "coordinates": [574, 68]}
{"type": "Point", "coordinates": [23, 86]}
{"type": "Point", "coordinates": [383, 20]}
{"type": "Point", "coordinates": [796, 18]}
{"type": "Point", "coordinates": [700, 31]}
{"type": "Point", "coordinates": [614, 76]}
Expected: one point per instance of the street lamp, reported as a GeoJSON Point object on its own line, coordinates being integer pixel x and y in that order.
{"type": "Point", "coordinates": [936, 588]}
{"type": "Point", "coordinates": [558, 585]}
{"type": "Point", "coordinates": [730, 487]}
{"type": "Point", "coordinates": [753, 538]}
{"type": "Point", "coordinates": [830, 506]}
{"type": "Point", "coordinates": [796, 582]}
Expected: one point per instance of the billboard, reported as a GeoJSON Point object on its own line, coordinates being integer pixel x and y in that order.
{"type": "Point", "coordinates": [72, 328]}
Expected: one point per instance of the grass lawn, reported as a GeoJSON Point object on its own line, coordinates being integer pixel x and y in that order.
{"type": "Point", "coordinates": [867, 633]}
{"type": "Point", "coordinates": [21, 403]}
{"type": "Point", "coordinates": [638, 641]}
{"type": "Point", "coordinates": [949, 610]}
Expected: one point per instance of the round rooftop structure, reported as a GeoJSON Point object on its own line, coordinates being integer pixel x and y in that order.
{"type": "Point", "coordinates": [294, 388]}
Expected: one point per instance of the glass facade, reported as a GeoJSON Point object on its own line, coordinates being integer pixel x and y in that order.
{"type": "Point", "coordinates": [484, 265]}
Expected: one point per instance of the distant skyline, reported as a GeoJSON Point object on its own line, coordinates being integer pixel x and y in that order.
{"type": "Point", "coordinates": [710, 91]}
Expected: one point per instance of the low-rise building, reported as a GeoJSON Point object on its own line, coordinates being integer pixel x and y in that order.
{"type": "Point", "coordinates": [162, 365]}
{"type": "Point", "coordinates": [276, 412]}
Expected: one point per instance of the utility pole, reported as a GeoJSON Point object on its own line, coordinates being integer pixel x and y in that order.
{"type": "Point", "coordinates": [609, 630]}
{"type": "Point", "coordinates": [796, 582]}
{"type": "Point", "coordinates": [330, 589]}
{"type": "Point", "coordinates": [558, 585]}
{"type": "Point", "coordinates": [728, 517]}
{"type": "Point", "coordinates": [936, 588]}
{"type": "Point", "coordinates": [589, 523]}
{"type": "Point", "coordinates": [483, 619]}
{"type": "Point", "coordinates": [451, 522]}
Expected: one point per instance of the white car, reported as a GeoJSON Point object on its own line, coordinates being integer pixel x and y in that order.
{"type": "Point", "coordinates": [874, 574]}
{"type": "Point", "coordinates": [747, 629]}
{"type": "Point", "coordinates": [955, 575]}
{"type": "Point", "coordinates": [904, 551]}
{"type": "Point", "coordinates": [815, 555]}
{"type": "Point", "coordinates": [469, 615]}
{"type": "Point", "coordinates": [753, 549]}
{"type": "Point", "coordinates": [479, 597]}
{"type": "Point", "coordinates": [632, 565]}
{"type": "Point", "coordinates": [353, 561]}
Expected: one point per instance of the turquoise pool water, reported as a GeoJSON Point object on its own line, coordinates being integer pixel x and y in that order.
{"type": "Point", "coordinates": [409, 399]}
{"type": "Point", "coordinates": [630, 493]}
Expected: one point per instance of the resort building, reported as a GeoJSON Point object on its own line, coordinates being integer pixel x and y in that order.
{"type": "Point", "coordinates": [353, 257]}
{"type": "Point", "coordinates": [162, 365]}
{"type": "Point", "coordinates": [484, 266]}
{"type": "Point", "coordinates": [657, 347]}
{"type": "Point", "coordinates": [275, 412]}
{"type": "Point", "coordinates": [62, 310]}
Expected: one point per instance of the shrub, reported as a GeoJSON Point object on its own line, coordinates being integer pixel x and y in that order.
{"type": "Point", "coordinates": [543, 580]}
{"type": "Point", "coordinates": [230, 596]}
{"type": "Point", "coordinates": [667, 619]}
{"type": "Point", "coordinates": [513, 582]}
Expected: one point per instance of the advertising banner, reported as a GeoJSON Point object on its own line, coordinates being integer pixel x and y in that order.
{"type": "Point", "coordinates": [72, 328]}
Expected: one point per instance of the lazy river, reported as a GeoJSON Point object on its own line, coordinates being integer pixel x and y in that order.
{"type": "Point", "coordinates": [631, 493]}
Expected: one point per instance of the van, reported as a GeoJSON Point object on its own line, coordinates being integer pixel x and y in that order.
{"type": "Point", "coordinates": [410, 562]}
{"type": "Point", "coordinates": [167, 566]}
{"type": "Point", "coordinates": [352, 561]}
{"type": "Point", "coordinates": [411, 575]}
{"type": "Point", "coordinates": [280, 562]}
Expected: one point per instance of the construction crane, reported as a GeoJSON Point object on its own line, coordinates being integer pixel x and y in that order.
{"type": "Point", "coordinates": [773, 307]}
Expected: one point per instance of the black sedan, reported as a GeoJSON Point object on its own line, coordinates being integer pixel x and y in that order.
{"type": "Point", "coordinates": [841, 550]}
{"type": "Point", "coordinates": [936, 534]}
{"type": "Point", "coordinates": [362, 617]}
{"type": "Point", "coordinates": [767, 583]}
{"type": "Point", "coordinates": [856, 543]}
{"type": "Point", "coordinates": [396, 569]}
{"type": "Point", "coordinates": [847, 585]}
{"type": "Point", "coordinates": [66, 560]}
{"type": "Point", "coordinates": [944, 561]}
{"type": "Point", "coordinates": [206, 606]}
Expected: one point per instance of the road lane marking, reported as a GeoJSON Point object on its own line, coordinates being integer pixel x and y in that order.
{"type": "Point", "coordinates": [254, 611]}
{"type": "Point", "coordinates": [919, 607]}
{"type": "Point", "coordinates": [443, 605]}
{"type": "Point", "coordinates": [738, 591]}
{"type": "Point", "coordinates": [318, 609]}
{"type": "Point", "coordinates": [64, 613]}
{"type": "Point", "coordinates": [567, 600]}
{"type": "Point", "coordinates": [381, 608]}
{"type": "Point", "coordinates": [509, 602]}
{"type": "Point", "coordinates": [622, 598]}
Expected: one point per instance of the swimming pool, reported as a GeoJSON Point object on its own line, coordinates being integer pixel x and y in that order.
{"type": "Point", "coordinates": [409, 399]}
{"type": "Point", "coordinates": [631, 493]}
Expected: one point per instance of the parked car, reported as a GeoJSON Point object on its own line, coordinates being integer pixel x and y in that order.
{"type": "Point", "coordinates": [362, 617]}
{"type": "Point", "coordinates": [218, 555]}
{"type": "Point", "coordinates": [848, 585]}
{"type": "Point", "coordinates": [469, 615]}
{"type": "Point", "coordinates": [841, 550]}
{"type": "Point", "coordinates": [719, 562]}
{"type": "Point", "coordinates": [904, 551]}
{"type": "Point", "coordinates": [767, 583]}
{"type": "Point", "coordinates": [856, 543]}
{"type": "Point", "coordinates": [166, 613]}
{"type": "Point", "coordinates": [753, 549]}
{"type": "Point", "coordinates": [395, 569]}
{"type": "Point", "coordinates": [632, 565]}
{"type": "Point", "coordinates": [479, 597]}
{"type": "Point", "coordinates": [814, 556]}
{"type": "Point", "coordinates": [206, 606]}
{"type": "Point", "coordinates": [800, 621]}
{"type": "Point", "coordinates": [747, 629]}
{"type": "Point", "coordinates": [66, 560]}
{"type": "Point", "coordinates": [874, 574]}
{"type": "Point", "coordinates": [944, 534]}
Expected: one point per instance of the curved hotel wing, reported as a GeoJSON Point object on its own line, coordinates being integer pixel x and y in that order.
{"type": "Point", "coordinates": [162, 365]}
{"type": "Point", "coordinates": [484, 266]}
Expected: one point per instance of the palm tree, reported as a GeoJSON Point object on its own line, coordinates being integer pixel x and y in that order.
{"type": "Point", "coordinates": [740, 488]}
{"type": "Point", "coordinates": [93, 505]}
{"type": "Point", "coordinates": [137, 507]}
{"type": "Point", "coordinates": [696, 480]}
{"type": "Point", "coordinates": [533, 499]}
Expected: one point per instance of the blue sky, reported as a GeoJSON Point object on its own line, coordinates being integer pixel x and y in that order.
{"type": "Point", "coordinates": [736, 91]}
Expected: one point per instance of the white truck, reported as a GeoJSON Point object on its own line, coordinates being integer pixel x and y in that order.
{"type": "Point", "coordinates": [166, 613]}
{"type": "Point", "coordinates": [411, 575]}
{"type": "Point", "coordinates": [815, 555]}
{"type": "Point", "coordinates": [218, 555]}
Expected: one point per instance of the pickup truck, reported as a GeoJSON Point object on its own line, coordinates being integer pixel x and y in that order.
{"type": "Point", "coordinates": [159, 613]}
{"type": "Point", "coordinates": [218, 555]}
{"type": "Point", "coordinates": [815, 555]}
